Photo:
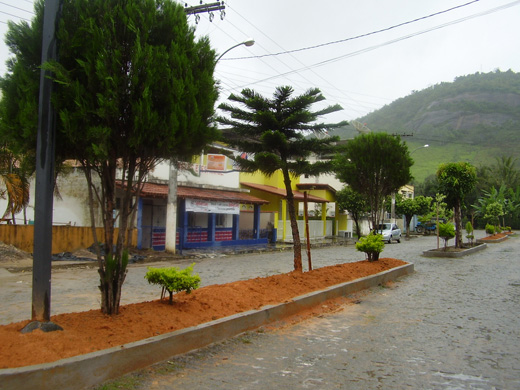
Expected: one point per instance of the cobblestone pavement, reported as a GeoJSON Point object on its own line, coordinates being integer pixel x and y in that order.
{"type": "Point", "coordinates": [453, 324]}
{"type": "Point", "coordinates": [75, 289]}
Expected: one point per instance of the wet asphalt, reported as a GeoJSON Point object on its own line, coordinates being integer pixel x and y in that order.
{"type": "Point", "coordinates": [453, 324]}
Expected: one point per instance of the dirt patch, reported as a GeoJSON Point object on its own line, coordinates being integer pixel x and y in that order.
{"type": "Point", "coordinates": [497, 236]}
{"type": "Point", "coordinates": [90, 331]}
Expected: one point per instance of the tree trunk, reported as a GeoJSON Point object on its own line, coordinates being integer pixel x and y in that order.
{"type": "Point", "coordinates": [458, 226]}
{"type": "Point", "coordinates": [294, 223]}
{"type": "Point", "coordinates": [408, 219]}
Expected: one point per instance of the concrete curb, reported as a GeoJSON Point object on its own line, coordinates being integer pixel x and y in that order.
{"type": "Point", "coordinates": [96, 367]}
{"type": "Point", "coordinates": [440, 253]}
{"type": "Point", "coordinates": [494, 241]}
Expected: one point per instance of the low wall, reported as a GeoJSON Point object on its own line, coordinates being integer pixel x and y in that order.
{"type": "Point", "coordinates": [64, 238]}
{"type": "Point", "coordinates": [94, 368]}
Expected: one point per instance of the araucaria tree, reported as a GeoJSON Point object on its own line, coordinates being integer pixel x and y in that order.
{"type": "Point", "coordinates": [375, 165]}
{"type": "Point", "coordinates": [274, 131]}
{"type": "Point", "coordinates": [456, 180]}
{"type": "Point", "coordinates": [133, 86]}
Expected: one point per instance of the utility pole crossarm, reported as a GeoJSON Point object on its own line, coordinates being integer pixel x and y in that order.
{"type": "Point", "coordinates": [197, 9]}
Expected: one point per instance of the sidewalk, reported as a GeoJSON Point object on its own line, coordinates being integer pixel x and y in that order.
{"type": "Point", "coordinates": [453, 324]}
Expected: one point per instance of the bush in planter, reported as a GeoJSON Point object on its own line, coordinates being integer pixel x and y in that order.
{"type": "Point", "coordinates": [446, 232]}
{"type": "Point", "coordinates": [372, 245]}
{"type": "Point", "coordinates": [490, 229]}
{"type": "Point", "coordinates": [173, 280]}
{"type": "Point", "coordinates": [469, 232]}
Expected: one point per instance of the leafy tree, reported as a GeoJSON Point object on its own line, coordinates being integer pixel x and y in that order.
{"type": "Point", "coordinates": [429, 187]}
{"type": "Point", "coordinates": [410, 207]}
{"type": "Point", "coordinates": [375, 165]}
{"type": "Point", "coordinates": [274, 131]}
{"type": "Point", "coordinates": [504, 172]}
{"type": "Point", "coordinates": [456, 180]}
{"type": "Point", "coordinates": [354, 203]}
{"type": "Point", "coordinates": [493, 213]}
{"type": "Point", "coordinates": [133, 86]}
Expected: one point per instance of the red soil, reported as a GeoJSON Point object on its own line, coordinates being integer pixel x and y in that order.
{"type": "Point", "coordinates": [90, 331]}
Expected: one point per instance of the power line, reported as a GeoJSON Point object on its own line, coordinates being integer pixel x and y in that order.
{"type": "Point", "coordinates": [365, 50]}
{"type": "Point", "coordinates": [361, 35]}
{"type": "Point", "coordinates": [12, 6]}
{"type": "Point", "coordinates": [14, 16]}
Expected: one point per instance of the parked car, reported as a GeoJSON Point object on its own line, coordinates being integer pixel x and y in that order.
{"type": "Point", "coordinates": [389, 231]}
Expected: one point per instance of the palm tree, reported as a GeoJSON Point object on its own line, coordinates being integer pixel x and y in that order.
{"type": "Point", "coordinates": [15, 178]}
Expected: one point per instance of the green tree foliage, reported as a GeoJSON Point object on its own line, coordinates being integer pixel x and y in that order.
{"type": "Point", "coordinates": [456, 180]}
{"type": "Point", "coordinates": [469, 232]}
{"type": "Point", "coordinates": [411, 206]}
{"type": "Point", "coordinates": [275, 131]}
{"type": "Point", "coordinates": [429, 187]}
{"type": "Point", "coordinates": [493, 213]}
{"type": "Point", "coordinates": [354, 203]}
{"type": "Point", "coordinates": [375, 165]}
{"type": "Point", "coordinates": [133, 86]}
{"type": "Point", "coordinates": [446, 232]}
{"type": "Point", "coordinates": [505, 173]}
{"type": "Point", "coordinates": [14, 174]}
{"type": "Point", "coordinates": [372, 245]}
{"type": "Point", "coordinates": [173, 280]}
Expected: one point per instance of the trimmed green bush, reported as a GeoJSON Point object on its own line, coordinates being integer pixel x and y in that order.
{"type": "Point", "coordinates": [173, 280]}
{"type": "Point", "coordinates": [469, 232]}
{"type": "Point", "coordinates": [446, 232]}
{"type": "Point", "coordinates": [490, 229]}
{"type": "Point", "coordinates": [372, 245]}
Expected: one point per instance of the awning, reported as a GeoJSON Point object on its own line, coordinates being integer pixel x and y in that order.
{"type": "Point", "coordinates": [283, 193]}
{"type": "Point", "coordinates": [316, 186]}
{"type": "Point", "coordinates": [153, 190]}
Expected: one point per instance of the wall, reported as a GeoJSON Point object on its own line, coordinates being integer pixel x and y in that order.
{"type": "Point", "coordinates": [64, 238]}
{"type": "Point", "coordinates": [69, 208]}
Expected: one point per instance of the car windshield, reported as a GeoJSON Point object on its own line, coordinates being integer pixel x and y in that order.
{"type": "Point", "coordinates": [384, 226]}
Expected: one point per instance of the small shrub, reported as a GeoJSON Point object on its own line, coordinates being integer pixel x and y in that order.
{"type": "Point", "coordinates": [490, 229]}
{"type": "Point", "coordinates": [173, 280]}
{"type": "Point", "coordinates": [508, 228]}
{"type": "Point", "coordinates": [446, 232]}
{"type": "Point", "coordinates": [372, 245]}
{"type": "Point", "coordinates": [469, 232]}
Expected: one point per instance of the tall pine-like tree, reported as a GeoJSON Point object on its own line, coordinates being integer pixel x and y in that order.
{"type": "Point", "coordinates": [276, 131]}
{"type": "Point", "coordinates": [133, 86]}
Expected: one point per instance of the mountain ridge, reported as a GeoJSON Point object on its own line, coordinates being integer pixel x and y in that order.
{"type": "Point", "coordinates": [475, 118]}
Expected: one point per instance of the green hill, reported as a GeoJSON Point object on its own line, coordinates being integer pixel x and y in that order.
{"type": "Point", "coordinates": [476, 118]}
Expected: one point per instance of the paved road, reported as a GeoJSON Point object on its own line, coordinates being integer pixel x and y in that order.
{"type": "Point", "coordinates": [76, 289]}
{"type": "Point", "coordinates": [453, 324]}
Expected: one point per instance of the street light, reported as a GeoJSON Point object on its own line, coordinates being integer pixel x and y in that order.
{"type": "Point", "coordinates": [420, 147]}
{"type": "Point", "coordinates": [171, 205]}
{"type": "Point", "coordinates": [249, 42]}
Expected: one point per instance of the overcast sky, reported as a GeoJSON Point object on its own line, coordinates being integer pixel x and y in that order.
{"type": "Point", "coordinates": [387, 48]}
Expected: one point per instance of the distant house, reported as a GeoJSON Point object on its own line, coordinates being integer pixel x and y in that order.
{"type": "Point", "coordinates": [216, 205]}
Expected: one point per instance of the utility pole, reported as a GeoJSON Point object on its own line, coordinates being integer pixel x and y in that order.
{"type": "Point", "coordinates": [171, 205]}
{"type": "Point", "coordinates": [42, 252]}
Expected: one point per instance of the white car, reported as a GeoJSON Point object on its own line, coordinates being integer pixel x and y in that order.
{"type": "Point", "coordinates": [389, 231]}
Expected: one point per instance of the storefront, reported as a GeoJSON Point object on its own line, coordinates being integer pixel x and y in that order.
{"type": "Point", "coordinates": [205, 218]}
